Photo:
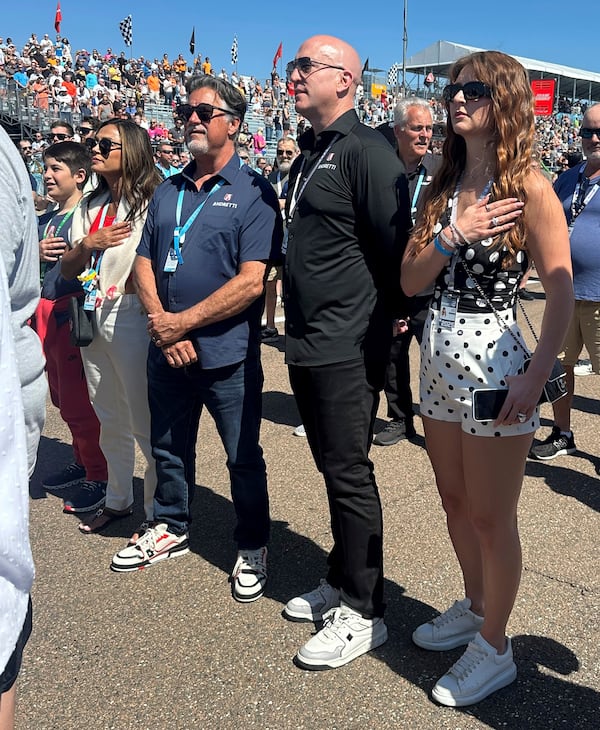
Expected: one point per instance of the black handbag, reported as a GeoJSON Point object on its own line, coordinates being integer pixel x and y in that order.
{"type": "Point", "coordinates": [81, 328]}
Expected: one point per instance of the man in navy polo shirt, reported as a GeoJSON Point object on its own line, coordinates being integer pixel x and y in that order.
{"type": "Point", "coordinates": [209, 234]}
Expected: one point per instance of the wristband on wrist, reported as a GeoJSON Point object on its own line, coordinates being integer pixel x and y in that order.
{"type": "Point", "coordinates": [459, 234]}
{"type": "Point", "coordinates": [440, 248]}
{"type": "Point", "coordinates": [450, 244]}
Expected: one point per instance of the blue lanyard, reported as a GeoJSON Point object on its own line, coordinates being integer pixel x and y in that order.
{"type": "Point", "coordinates": [180, 231]}
{"type": "Point", "coordinates": [413, 207]}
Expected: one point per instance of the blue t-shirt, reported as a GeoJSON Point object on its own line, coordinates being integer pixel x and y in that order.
{"type": "Point", "coordinates": [585, 236]}
{"type": "Point", "coordinates": [239, 222]}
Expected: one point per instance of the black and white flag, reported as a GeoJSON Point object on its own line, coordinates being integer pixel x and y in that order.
{"type": "Point", "coordinates": [126, 28]}
{"type": "Point", "coordinates": [393, 75]}
{"type": "Point", "coordinates": [234, 50]}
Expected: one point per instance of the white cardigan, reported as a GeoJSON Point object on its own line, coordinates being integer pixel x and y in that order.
{"type": "Point", "coordinates": [117, 262]}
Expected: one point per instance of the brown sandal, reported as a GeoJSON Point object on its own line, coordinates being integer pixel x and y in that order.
{"type": "Point", "coordinates": [102, 518]}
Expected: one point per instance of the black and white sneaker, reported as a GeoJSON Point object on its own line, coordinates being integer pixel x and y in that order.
{"type": "Point", "coordinates": [557, 444]}
{"type": "Point", "coordinates": [71, 475]}
{"type": "Point", "coordinates": [249, 575]}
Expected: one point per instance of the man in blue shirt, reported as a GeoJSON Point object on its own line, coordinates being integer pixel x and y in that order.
{"type": "Point", "coordinates": [209, 234]}
{"type": "Point", "coordinates": [577, 189]}
{"type": "Point", "coordinates": [164, 160]}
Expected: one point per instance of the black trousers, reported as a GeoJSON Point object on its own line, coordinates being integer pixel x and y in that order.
{"type": "Point", "coordinates": [338, 404]}
{"type": "Point", "coordinates": [397, 376]}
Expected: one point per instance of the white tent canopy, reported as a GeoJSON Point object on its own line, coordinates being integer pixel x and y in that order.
{"type": "Point", "coordinates": [570, 82]}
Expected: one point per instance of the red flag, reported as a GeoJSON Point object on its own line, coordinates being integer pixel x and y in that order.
{"type": "Point", "coordinates": [278, 54]}
{"type": "Point", "coordinates": [57, 18]}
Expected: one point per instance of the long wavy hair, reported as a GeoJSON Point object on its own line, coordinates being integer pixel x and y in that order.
{"type": "Point", "coordinates": [138, 171]}
{"type": "Point", "coordinates": [513, 130]}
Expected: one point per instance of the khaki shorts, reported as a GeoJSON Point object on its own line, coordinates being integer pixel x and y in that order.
{"type": "Point", "coordinates": [584, 329]}
{"type": "Point", "coordinates": [274, 273]}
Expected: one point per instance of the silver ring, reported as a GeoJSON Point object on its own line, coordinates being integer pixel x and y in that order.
{"type": "Point", "coordinates": [522, 417]}
{"type": "Point", "coordinates": [494, 222]}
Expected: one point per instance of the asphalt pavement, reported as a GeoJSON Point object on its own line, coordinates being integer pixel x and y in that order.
{"type": "Point", "coordinates": [168, 647]}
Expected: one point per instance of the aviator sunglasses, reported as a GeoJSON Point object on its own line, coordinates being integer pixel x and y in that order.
{"type": "Point", "coordinates": [204, 112]}
{"type": "Point", "coordinates": [472, 91]}
{"type": "Point", "coordinates": [589, 132]}
{"type": "Point", "coordinates": [104, 144]}
{"type": "Point", "coordinates": [305, 65]}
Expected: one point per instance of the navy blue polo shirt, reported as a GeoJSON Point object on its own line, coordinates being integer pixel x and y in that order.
{"type": "Point", "coordinates": [240, 222]}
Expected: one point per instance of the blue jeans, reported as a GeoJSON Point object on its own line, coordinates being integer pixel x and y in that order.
{"type": "Point", "coordinates": [233, 397]}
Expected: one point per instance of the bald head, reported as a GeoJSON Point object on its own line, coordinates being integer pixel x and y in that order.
{"type": "Point", "coordinates": [326, 82]}
{"type": "Point", "coordinates": [335, 51]}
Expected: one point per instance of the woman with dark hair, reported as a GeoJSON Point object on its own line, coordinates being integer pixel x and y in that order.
{"type": "Point", "coordinates": [488, 211]}
{"type": "Point", "coordinates": [106, 230]}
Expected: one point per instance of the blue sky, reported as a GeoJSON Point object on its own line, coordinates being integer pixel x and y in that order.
{"type": "Point", "coordinates": [528, 28]}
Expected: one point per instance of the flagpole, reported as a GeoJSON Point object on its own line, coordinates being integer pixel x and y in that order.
{"type": "Point", "coordinates": [404, 46]}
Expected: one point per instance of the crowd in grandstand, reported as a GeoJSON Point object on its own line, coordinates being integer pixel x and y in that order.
{"type": "Point", "coordinates": [76, 85]}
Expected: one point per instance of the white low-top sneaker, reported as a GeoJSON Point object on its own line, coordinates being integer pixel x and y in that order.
{"type": "Point", "coordinates": [345, 635]}
{"type": "Point", "coordinates": [455, 627]}
{"type": "Point", "coordinates": [479, 672]}
{"type": "Point", "coordinates": [312, 606]}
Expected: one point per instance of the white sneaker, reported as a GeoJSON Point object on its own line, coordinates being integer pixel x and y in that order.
{"type": "Point", "coordinates": [479, 672]}
{"type": "Point", "coordinates": [300, 430]}
{"type": "Point", "coordinates": [249, 575]}
{"type": "Point", "coordinates": [156, 544]}
{"type": "Point", "coordinates": [345, 636]}
{"type": "Point", "coordinates": [455, 627]}
{"type": "Point", "coordinates": [314, 605]}
{"type": "Point", "coordinates": [583, 368]}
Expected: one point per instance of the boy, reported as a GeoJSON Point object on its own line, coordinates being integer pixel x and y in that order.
{"type": "Point", "coordinates": [66, 169]}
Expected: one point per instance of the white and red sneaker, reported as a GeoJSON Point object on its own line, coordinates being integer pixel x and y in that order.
{"type": "Point", "coordinates": [156, 544]}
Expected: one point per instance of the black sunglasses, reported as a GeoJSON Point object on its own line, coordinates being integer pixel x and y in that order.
{"type": "Point", "coordinates": [59, 136]}
{"type": "Point", "coordinates": [104, 144]}
{"type": "Point", "coordinates": [589, 132]}
{"type": "Point", "coordinates": [84, 130]}
{"type": "Point", "coordinates": [472, 91]}
{"type": "Point", "coordinates": [286, 153]}
{"type": "Point", "coordinates": [204, 112]}
{"type": "Point", "coordinates": [305, 65]}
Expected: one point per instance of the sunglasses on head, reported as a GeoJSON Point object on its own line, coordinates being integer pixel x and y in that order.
{"type": "Point", "coordinates": [305, 65]}
{"type": "Point", "coordinates": [104, 144]}
{"type": "Point", "coordinates": [472, 91]}
{"type": "Point", "coordinates": [589, 132]}
{"type": "Point", "coordinates": [60, 136]}
{"type": "Point", "coordinates": [204, 112]}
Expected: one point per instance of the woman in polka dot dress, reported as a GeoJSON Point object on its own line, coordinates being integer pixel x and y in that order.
{"type": "Point", "coordinates": [487, 213]}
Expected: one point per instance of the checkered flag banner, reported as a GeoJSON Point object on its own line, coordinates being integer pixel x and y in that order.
{"type": "Point", "coordinates": [126, 28]}
{"type": "Point", "coordinates": [234, 50]}
{"type": "Point", "coordinates": [393, 75]}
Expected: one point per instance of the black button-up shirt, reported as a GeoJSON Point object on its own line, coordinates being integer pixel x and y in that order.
{"type": "Point", "coordinates": [345, 243]}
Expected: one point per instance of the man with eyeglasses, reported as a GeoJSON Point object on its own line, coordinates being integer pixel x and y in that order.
{"type": "Point", "coordinates": [199, 272]}
{"type": "Point", "coordinates": [412, 130]}
{"type": "Point", "coordinates": [578, 190]}
{"type": "Point", "coordinates": [347, 224]}
{"type": "Point", "coordinates": [164, 160]}
{"type": "Point", "coordinates": [287, 151]}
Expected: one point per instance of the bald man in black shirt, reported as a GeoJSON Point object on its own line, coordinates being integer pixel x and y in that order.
{"type": "Point", "coordinates": [348, 217]}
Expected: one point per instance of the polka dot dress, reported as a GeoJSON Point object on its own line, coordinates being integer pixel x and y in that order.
{"type": "Point", "coordinates": [476, 353]}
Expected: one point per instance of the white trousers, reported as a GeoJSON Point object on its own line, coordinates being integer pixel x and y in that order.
{"type": "Point", "coordinates": [115, 367]}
